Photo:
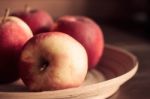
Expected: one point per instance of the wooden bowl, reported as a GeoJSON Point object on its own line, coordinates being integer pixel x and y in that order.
{"type": "Point", "coordinates": [115, 68]}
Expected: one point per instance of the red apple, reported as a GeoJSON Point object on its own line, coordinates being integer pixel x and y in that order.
{"type": "Point", "coordinates": [38, 20]}
{"type": "Point", "coordinates": [13, 35]}
{"type": "Point", "coordinates": [52, 61]}
{"type": "Point", "coordinates": [87, 32]}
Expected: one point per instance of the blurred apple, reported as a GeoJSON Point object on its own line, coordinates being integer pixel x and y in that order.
{"type": "Point", "coordinates": [13, 35]}
{"type": "Point", "coordinates": [52, 61]}
{"type": "Point", "coordinates": [87, 32]}
{"type": "Point", "coordinates": [38, 20]}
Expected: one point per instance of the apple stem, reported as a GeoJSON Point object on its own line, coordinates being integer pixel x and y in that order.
{"type": "Point", "coordinates": [7, 11]}
{"type": "Point", "coordinates": [27, 8]}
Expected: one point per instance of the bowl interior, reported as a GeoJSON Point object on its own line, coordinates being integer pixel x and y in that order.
{"type": "Point", "coordinates": [116, 62]}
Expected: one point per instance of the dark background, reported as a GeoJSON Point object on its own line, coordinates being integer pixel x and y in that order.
{"type": "Point", "coordinates": [128, 15]}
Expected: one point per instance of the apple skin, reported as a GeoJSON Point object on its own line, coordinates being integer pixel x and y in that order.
{"type": "Point", "coordinates": [38, 20]}
{"type": "Point", "coordinates": [87, 32]}
{"type": "Point", "coordinates": [13, 35]}
{"type": "Point", "coordinates": [52, 61]}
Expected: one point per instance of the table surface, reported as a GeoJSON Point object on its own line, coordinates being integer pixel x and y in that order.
{"type": "Point", "coordinates": [139, 86]}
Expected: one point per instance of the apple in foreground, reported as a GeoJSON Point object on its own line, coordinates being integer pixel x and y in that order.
{"type": "Point", "coordinates": [52, 61]}
{"type": "Point", "coordinates": [87, 32]}
{"type": "Point", "coordinates": [13, 35]}
{"type": "Point", "coordinates": [38, 20]}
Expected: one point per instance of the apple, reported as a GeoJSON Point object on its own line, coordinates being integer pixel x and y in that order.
{"type": "Point", "coordinates": [13, 35]}
{"type": "Point", "coordinates": [52, 61]}
{"type": "Point", "coordinates": [87, 32]}
{"type": "Point", "coordinates": [38, 20]}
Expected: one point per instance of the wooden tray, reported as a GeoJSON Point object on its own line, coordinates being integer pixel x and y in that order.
{"type": "Point", "coordinates": [115, 68]}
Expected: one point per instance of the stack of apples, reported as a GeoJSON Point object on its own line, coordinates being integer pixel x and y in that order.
{"type": "Point", "coordinates": [48, 54]}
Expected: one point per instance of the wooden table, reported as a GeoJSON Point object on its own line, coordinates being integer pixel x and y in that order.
{"type": "Point", "coordinates": [139, 86]}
